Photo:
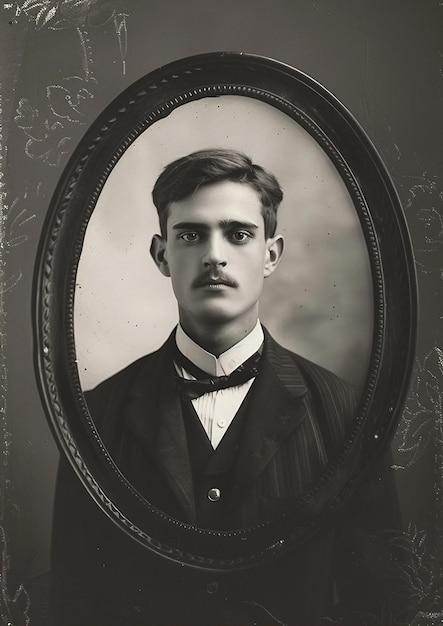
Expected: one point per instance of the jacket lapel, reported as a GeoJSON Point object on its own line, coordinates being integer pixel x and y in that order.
{"type": "Point", "coordinates": [153, 413]}
{"type": "Point", "coordinates": [278, 407]}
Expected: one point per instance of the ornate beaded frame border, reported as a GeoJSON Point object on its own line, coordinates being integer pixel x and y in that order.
{"type": "Point", "coordinates": [394, 293]}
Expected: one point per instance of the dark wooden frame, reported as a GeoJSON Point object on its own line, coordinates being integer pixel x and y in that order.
{"type": "Point", "coordinates": [394, 294]}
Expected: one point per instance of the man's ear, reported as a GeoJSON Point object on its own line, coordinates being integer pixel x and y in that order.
{"type": "Point", "coordinates": [158, 253]}
{"type": "Point", "coordinates": [274, 252]}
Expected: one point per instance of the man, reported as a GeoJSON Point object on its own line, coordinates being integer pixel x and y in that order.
{"type": "Point", "coordinates": [221, 428]}
{"type": "Point", "coordinates": [235, 456]}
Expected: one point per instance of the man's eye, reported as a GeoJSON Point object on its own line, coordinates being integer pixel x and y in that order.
{"type": "Point", "coordinates": [189, 237]}
{"type": "Point", "coordinates": [240, 236]}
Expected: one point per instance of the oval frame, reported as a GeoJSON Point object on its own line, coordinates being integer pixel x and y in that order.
{"type": "Point", "coordinates": [394, 295]}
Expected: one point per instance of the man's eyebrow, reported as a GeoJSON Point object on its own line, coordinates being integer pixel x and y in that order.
{"type": "Point", "coordinates": [238, 224]}
{"type": "Point", "coordinates": [222, 224]}
{"type": "Point", "coordinates": [191, 226]}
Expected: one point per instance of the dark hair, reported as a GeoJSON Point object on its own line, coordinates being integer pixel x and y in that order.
{"type": "Point", "coordinates": [181, 178]}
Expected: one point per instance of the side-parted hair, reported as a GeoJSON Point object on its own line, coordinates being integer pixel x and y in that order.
{"type": "Point", "coordinates": [181, 178]}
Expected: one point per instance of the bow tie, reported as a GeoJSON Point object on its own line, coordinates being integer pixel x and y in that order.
{"type": "Point", "coordinates": [191, 389]}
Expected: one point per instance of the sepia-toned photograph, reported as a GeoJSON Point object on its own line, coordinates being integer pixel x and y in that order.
{"type": "Point", "coordinates": [221, 359]}
{"type": "Point", "coordinates": [225, 248]}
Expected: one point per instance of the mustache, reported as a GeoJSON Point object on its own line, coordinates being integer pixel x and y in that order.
{"type": "Point", "coordinates": [210, 276]}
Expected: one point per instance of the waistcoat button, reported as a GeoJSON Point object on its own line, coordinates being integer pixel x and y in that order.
{"type": "Point", "coordinates": [214, 495]}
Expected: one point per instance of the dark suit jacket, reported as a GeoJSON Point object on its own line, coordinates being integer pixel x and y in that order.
{"type": "Point", "coordinates": [297, 416]}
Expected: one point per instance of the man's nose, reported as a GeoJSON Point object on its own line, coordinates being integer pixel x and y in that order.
{"type": "Point", "coordinates": [215, 253]}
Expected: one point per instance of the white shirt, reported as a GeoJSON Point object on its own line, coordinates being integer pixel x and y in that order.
{"type": "Point", "coordinates": [217, 409]}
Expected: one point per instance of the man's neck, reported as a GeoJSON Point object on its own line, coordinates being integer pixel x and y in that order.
{"type": "Point", "coordinates": [225, 363]}
{"type": "Point", "coordinates": [217, 338]}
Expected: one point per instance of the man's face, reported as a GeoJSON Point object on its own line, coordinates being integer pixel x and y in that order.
{"type": "Point", "coordinates": [216, 254]}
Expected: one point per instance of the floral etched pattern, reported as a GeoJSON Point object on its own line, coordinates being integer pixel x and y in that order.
{"type": "Point", "coordinates": [68, 101]}
{"type": "Point", "coordinates": [421, 424]}
{"type": "Point", "coordinates": [16, 218]}
{"type": "Point", "coordinates": [78, 14]}
{"type": "Point", "coordinates": [426, 199]}
{"type": "Point", "coordinates": [414, 564]}
{"type": "Point", "coordinates": [47, 126]}
{"type": "Point", "coordinates": [46, 140]}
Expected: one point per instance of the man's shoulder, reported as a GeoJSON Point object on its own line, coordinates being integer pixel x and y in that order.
{"type": "Point", "coordinates": [319, 381]}
{"type": "Point", "coordinates": [320, 375]}
{"type": "Point", "coordinates": [124, 378]}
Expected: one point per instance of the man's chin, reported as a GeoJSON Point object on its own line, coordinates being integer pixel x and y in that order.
{"type": "Point", "coordinates": [216, 315]}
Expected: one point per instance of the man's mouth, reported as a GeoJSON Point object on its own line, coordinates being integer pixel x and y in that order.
{"type": "Point", "coordinates": [214, 282]}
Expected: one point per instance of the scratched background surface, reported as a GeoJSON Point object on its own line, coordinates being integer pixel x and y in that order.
{"type": "Point", "coordinates": [63, 61]}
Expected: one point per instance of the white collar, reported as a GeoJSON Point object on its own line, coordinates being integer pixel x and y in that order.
{"type": "Point", "coordinates": [228, 361]}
